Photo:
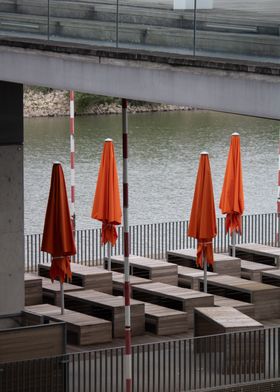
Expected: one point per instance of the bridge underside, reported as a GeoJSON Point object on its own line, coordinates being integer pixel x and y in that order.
{"type": "Point", "coordinates": [235, 88]}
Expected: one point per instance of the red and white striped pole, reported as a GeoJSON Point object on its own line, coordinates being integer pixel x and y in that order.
{"type": "Point", "coordinates": [278, 198]}
{"type": "Point", "coordinates": [72, 159]}
{"type": "Point", "coordinates": [127, 359]}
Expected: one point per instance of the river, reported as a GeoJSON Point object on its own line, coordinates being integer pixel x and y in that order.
{"type": "Point", "coordinates": [164, 153]}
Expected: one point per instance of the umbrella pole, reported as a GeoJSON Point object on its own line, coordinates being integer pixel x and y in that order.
{"type": "Point", "coordinates": [205, 273]}
{"type": "Point", "coordinates": [127, 358]}
{"type": "Point", "coordinates": [62, 297]}
{"type": "Point", "coordinates": [109, 255]}
{"type": "Point", "coordinates": [233, 241]}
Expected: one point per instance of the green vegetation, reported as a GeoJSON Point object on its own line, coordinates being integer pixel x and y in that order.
{"type": "Point", "coordinates": [84, 101]}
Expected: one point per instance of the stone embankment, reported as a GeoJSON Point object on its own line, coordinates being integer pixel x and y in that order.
{"type": "Point", "coordinates": [56, 103]}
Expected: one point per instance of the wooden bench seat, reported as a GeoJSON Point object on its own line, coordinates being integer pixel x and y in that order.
{"type": "Point", "coordinates": [108, 307]}
{"type": "Point", "coordinates": [244, 307]}
{"type": "Point", "coordinates": [189, 277]}
{"type": "Point", "coordinates": [258, 253]}
{"type": "Point", "coordinates": [173, 297]}
{"type": "Point", "coordinates": [144, 267]}
{"type": "Point", "coordinates": [52, 290]}
{"type": "Point", "coordinates": [165, 321]}
{"type": "Point", "coordinates": [223, 264]}
{"type": "Point", "coordinates": [271, 277]}
{"type": "Point", "coordinates": [266, 298]}
{"type": "Point", "coordinates": [33, 289]}
{"type": "Point", "coordinates": [118, 282]}
{"type": "Point", "coordinates": [253, 271]}
{"type": "Point", "coordinates": [81, 328]}
{"type": "Point", "coordinates": [95, 278]}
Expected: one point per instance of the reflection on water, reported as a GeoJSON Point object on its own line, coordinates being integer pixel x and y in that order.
{"type": "Point", "coordinates": [164, 151]}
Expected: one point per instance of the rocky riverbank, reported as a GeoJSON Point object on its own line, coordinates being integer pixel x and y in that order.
{"type": "Point", "coordinates": [56, 103]}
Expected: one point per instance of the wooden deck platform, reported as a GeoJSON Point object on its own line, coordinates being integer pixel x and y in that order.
{"type": "Point", "coordinates": [52, 291]}
{"type": "Point", "coordinates": [189, 277]}
{"type": "Point", "coordinates": [244, 307]}
{"type": "Point", "coordinates": [212, 321]}
{"type": "Point", "coordinates": [108, 307]}
{"type": "Point", "coordinates": [266, 298]}
{"type": "Point", "coordinates": [258, 253]}
{"type": "Point", "coordinates": [173, 297]}
{"type": "Point", "coordinates": [81, 328]}
{"type": "Point", "coordinates": [118, 282]}
{"type": "Point", "coordinates": [223, 264]}
{"type": "Point", "coordinates": [95, 278]}
{"type": "Point", "coordinates": [253, 271]}
{"type": "Point", "coordinates": [165, 321]}
{"type": "Point", "coordinates": [144, 267]}
{"type": "Point", "coordinates": [33, 289]}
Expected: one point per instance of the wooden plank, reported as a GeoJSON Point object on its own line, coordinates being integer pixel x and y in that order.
{"type": "Point", "coordinates": [81, 328]}
{"type": "Point", "coordinates": [88, 277]}
{"type": "Point", "coordinates": [173, 297]}
{"type": "Point", "coordinates": [109, 307]}
{"type": "Point", "coordinates": [211, 321]}
{"type": "Point", "coordinates": [30, 342]}
{"type": "Point", "coordinates": [52, 290]}
{"type": "Point", "coordinates": [118, 282]}
{"type": "Point", "coordinates": [244, 307]}
{"type": "Point", "coordinates": [253, 271]}
{"type": "Point", "coordinates": [258, 253]}
{"type": "Point", "coordinates": [259, 294]}
{"type": "Point", "coordinates": [223, 264]}
{"type": "Point", "coordinates": [165, 321]}
{"type": "Point", "coordinates": [33, 289]}
{"type": "Point", "coordinates": [189, 277]}
{"type": "Point", "coordinates": [144, 267]}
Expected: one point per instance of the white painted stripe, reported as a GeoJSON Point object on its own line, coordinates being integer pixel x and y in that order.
{"type": "Point", "coordinates": [72, 208]}
{"type": "Point", "coordinates": [72, 143]}
{"type": "Point", "coordinates": [127, 366]}
{"type": "Point", "coordinates": [127, 315]}
{"type": "Point", "coordinates": [125, 220]}
{"type": "Point", "coordinates": [72, 113]}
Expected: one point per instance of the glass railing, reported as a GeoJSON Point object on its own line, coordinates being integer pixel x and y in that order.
{"type": "Point", "coordinates": [236, 29]}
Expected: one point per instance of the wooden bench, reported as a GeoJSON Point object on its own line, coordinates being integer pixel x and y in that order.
{"type": "Point", "coordinates": [81, 328]}
{"type": "Point", "coordinates": [144, 267]}
{"type": "Point", "coordinates": [271, 277]}
{"type": "Point", "coordinates": [108, 307]}
{"type": "Point", "coordinates": [223, 264]}
{"type": "Point", "coordinates": [173, 297]}
{"type": "Point", "coordinates": [266, 298]}
{"type": "Point", "coordinates": [118, 282]}
{"type": "Point", "coordinates": [189, 277]}
{"type": "Point", "coordinates": [165, 321]}
{"type": "Point", "coordinates": [213, 321]}
{"type": "Point", "coordinates": [87, 277]}
{"type": "Point", "coordinates": [253, 271]}
{"type": "Point", "coordinates": [52, 290]}
{"type": "Point", "coordinates": [258, 253]}
{"type": "Point", "coordinates": [244, 307]}
{"type": "Point", "coordinates": [33, 289]}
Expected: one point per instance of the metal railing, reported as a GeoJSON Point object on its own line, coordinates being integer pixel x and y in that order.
{"type": "Point", "coordinates": [154, 239]}
{"type": "Point", "coordinates": [176, 365]}
{"type": "Point", "coordinates": [219, 29]}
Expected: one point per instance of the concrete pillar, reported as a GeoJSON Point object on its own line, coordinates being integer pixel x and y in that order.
{"type": "Point", "coordinates": [11, 199]}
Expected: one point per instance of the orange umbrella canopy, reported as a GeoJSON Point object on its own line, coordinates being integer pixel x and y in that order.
{"type": "Point", "coordinates": [58, 237]}
{"type": "Point", "coordinates": [106, 205]}
{"type": "Point", "coordinates": [232, 197]}
{"type": "Point", "coordinates": [202, 225]}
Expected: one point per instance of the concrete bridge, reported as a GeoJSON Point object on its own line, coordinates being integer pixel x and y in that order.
{"type": "Point", "coordinates": [37, 49]}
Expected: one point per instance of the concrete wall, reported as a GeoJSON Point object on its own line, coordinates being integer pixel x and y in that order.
{"type": "Point", "coordinates": [248, 93]}
{"type": "Point", "coordinates": [11, 199]}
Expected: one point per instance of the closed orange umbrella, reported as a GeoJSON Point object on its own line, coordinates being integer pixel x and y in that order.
{"type": "Point", "coordinates": [58, 236]}
{"type": "Point", "coordinates": [232, 197]}
{"type": "Point", "coordinates": [106, 205]}
{"type": "Point", "coordinates": [202, 225]}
